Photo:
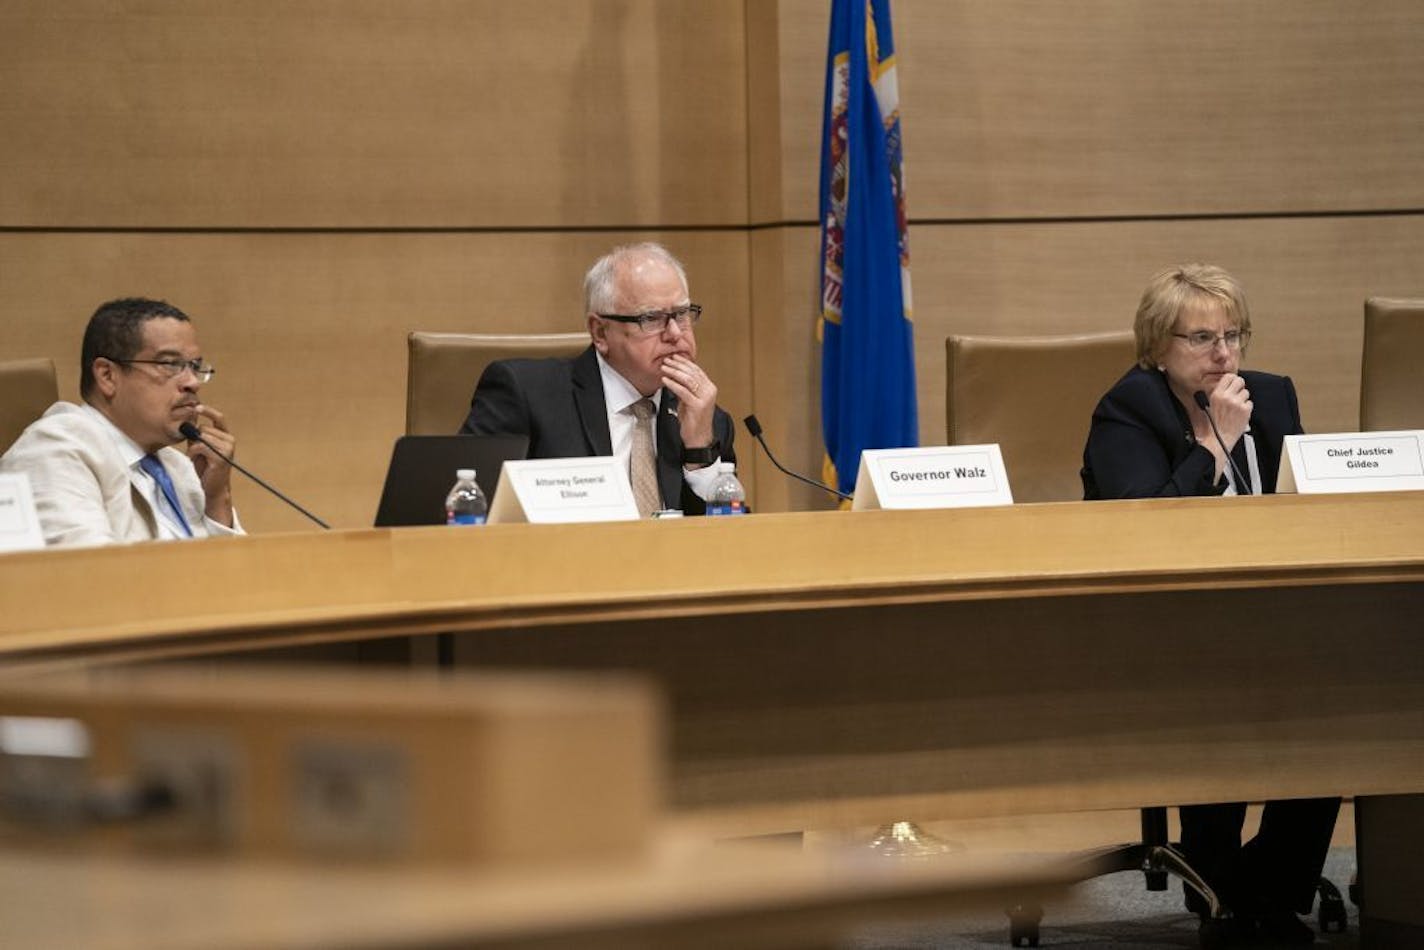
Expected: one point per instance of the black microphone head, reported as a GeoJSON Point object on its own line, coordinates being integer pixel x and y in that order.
{"type": "Point", "coordinates": [1200, 398]}
{"type": "Point", "coordinates": [189, 432]}
{"type": "Point", "coordinates": [753, 426]}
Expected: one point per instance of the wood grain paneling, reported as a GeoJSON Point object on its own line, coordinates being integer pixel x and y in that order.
{"type": "Point", "coordinates": [308, 331]}
{"type": "Point", "coordinates": [1306, 280]}
{"type": "Point", "coordinates": [512, 119]}
{"type": "Point", "coordinates": [1018, 108]}
{"type": "Point", "coordinates": [786, 364]}
{"type": "Point", "coordinates": [373, 114]}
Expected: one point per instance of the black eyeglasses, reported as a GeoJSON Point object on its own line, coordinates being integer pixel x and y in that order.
{"type": "Point", "coordinates": [172, 369]}
{"type": "Point", "coordinates": [656, 321]}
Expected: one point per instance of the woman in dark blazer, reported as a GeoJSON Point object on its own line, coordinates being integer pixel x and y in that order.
{"type": "Point", "coordinates": [1152, 437]}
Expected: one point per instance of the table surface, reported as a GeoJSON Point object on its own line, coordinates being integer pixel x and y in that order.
{"type": "Point", "coordinates": [828, 669]}
{"type": "Point", "coordinates": [155, 599]}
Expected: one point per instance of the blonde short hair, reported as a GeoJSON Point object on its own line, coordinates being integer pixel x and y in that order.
{"type": "Point", "coordinates": [1171, 293]}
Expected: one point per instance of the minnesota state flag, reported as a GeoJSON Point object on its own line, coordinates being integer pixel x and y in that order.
{"type": "Point", "coordinates": [867, 339]}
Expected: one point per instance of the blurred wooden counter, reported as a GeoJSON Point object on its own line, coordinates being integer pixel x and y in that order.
{"type": "Point", "coordinates": [680, 898]}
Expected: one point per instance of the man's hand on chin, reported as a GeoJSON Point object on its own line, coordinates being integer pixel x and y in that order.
{"type": "Point", "coordinates": [696, 396]}
{"type": "Point", "coordinates": [213, 471]}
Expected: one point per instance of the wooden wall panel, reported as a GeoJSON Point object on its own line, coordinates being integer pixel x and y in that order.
{"type": "Point", "coordinates": [1016, 108]}
{"type": "Point", "coordinates": [368, 113]}
{"type": "Point", "coordinates": [766, 77]}
{"type": "Point", "coordinates": [1306, 281]}
{"type": "Point", "coordinates": [308, 331]}
{"type": "Point", "coordinates": [786, 364]}
{"type": "Point", "coordinates": [535, 132]}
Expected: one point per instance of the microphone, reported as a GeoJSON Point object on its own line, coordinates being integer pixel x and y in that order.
{"type": "Point", "coordinates": [754, 427]}
{"type": "Point", "coordinates": [192, 434]}
{"type": "Point", "coordinates": [1242, 485]}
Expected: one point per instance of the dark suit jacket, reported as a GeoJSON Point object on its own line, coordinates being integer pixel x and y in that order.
{"type": "Point", "coordinates": [1140, 444]}
{"type": "Point", "coordinates": [559, 405]}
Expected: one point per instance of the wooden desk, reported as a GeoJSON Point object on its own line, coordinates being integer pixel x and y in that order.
{"type": "Point", "coordinates": [830, 669]}
{"type": "Point", "coordinates": [153, 600]}
{"type": "Point", "coordinates": [825, 667]}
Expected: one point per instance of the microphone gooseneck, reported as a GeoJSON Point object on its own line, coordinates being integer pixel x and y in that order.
{"type": "Point", "coordinates": [193, 434]}
{"type": "Point", "coordinates": [1244, 487]}
{"type": "Point", "coordinates": [754, 427]}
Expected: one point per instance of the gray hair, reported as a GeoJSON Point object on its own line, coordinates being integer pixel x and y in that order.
{"type": "Point", "coordinates": [600, 284]}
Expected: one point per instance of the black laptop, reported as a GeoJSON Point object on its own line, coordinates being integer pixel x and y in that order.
{"type": "Point", "coordinates": [422, 472]}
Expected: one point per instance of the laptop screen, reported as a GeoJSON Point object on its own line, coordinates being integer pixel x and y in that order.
{"type": "Point", "coordinates": [422, 472]}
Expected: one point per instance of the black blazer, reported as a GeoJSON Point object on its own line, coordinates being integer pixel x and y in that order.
{"type": "Point", "coordinates": [1140, 444]}
{"type": "Point", "coordinates": [559, 405]}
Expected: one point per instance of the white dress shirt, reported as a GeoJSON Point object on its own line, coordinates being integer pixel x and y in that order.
{"type": "Point", "coordinates": [168, 527]}
{"type": "Point", "coordinates": [89, 488]}
{"type": "Point", "coordinates": [619, 395]}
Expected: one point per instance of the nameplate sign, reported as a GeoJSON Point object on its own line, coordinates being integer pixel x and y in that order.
{"type": "Point", "coordinates": [946, 476]}
{"type": "Point", "coordinates": [556, 491]}
{"type": "Point", "coordinates": [1352, 462]}
{"type": "Point", "coordinates": [19, 521]}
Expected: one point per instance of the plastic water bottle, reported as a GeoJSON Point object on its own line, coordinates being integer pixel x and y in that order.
{"type": "Point", "coordinates": [727, 497]}
{"type": "Point", "coordinates": [466, 503]}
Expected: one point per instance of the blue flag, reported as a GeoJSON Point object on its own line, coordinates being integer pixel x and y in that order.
{"type": "Point", "coordinates": [867, 340]}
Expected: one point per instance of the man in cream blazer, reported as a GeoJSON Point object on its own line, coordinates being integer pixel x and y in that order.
{"type": "Point", "coordinates": [108, 471]}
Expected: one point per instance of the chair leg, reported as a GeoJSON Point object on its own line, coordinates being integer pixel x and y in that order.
{"type": "Point", "coordinates": [1150, 859]}
{"type": "Point", "coordinates": [1168, 858]}
{"type": "Point", "coordinates": [1156, 857]}
{"type": "Point", "coordinates": [1154, 832]}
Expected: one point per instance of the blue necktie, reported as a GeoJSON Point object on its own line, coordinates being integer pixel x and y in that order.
{"type": "Point", "coordinates": [151, 465]}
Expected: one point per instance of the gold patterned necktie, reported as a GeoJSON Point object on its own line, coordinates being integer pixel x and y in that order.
{"type": "Point", "coordinates": [643, 463]}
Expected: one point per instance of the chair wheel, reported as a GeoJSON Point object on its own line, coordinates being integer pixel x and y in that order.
{"type": "Point", "coordinates": [1023, 924]}
{"type": "Point", "coordinates": [1212, 933]}
{"type": "Point", "coordinates": [1326, 889]}
{"type": "Point", "coordinates": [1156, 880]}
{"type": "Point", "coordinates": [1332, 913]}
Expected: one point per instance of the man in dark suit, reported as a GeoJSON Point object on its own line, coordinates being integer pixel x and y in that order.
{"type": "Point", "coordinates": [637, 392]}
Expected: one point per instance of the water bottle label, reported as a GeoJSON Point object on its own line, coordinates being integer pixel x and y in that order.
{"type": "Point", "coordinates": [726, 508]}
{"type": "Point", "coordinates": [462, 518]}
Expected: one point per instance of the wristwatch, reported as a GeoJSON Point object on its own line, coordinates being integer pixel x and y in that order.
{"type": "Point", "coordinates": [703, 456]}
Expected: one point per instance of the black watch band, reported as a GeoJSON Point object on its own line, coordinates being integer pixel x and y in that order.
{"type": "Point", "coordinates": [703, 456]}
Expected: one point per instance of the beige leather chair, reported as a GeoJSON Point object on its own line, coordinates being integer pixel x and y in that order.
{"type": "Point", "coordinates": [1391, 393]}
{"type": "Point", "coordinates": [1034, 395]}
{"type": "Point", "coordinates": [444, 367]}
{"type": "Point", "coordinates": [27, 389]}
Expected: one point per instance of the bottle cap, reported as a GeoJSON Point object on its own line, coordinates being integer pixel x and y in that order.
{"type": "Point", "coordinates": [465, 474]}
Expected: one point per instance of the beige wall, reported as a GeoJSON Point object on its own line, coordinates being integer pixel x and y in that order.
{"type": "Point", "coordinates": [1058, 154]}
{"type": "Point", "coordinates": [312, 181]}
